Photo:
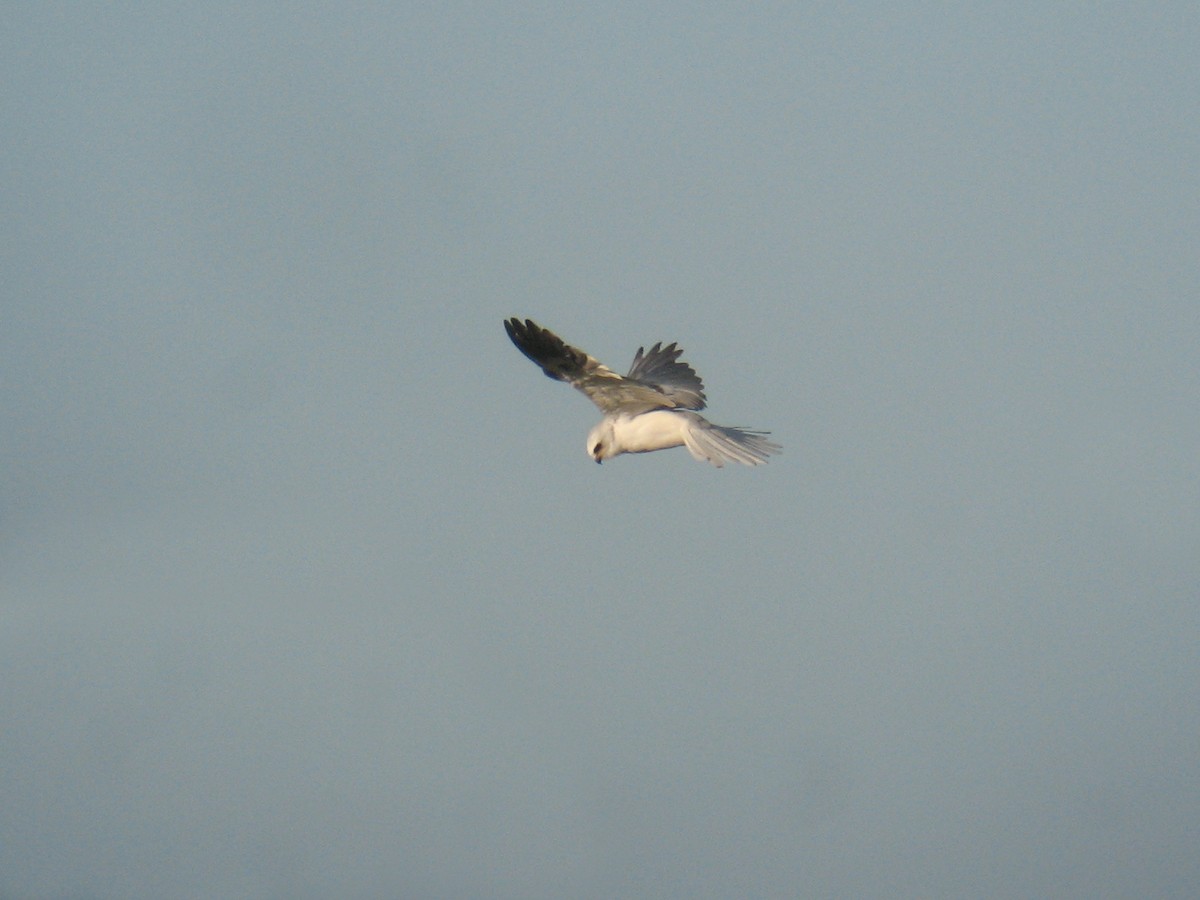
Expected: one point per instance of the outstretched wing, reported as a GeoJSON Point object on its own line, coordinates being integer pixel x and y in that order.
{"type": "Point", "coordinates": [602, 385]}
{"type": "Point", "coordinates": [662, 368]}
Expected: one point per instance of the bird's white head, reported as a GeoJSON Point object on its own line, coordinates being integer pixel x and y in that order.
{"type": "Point", "coordinates": [601, 442]}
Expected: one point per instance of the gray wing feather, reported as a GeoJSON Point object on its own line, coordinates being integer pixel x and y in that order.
{"type": "Point", "coordinates": [677, 380]}
{"type": "Point", "coordinates": [604, 387]}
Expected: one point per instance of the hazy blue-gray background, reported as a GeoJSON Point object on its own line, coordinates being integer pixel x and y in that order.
{"type": "Point", "coordinates": [309, 589]}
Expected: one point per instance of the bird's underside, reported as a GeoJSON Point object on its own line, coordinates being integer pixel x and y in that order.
{"type": "Point", "coordinates": [653, 407]}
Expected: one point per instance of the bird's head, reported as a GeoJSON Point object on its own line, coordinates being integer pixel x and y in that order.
{"type": "Point", "coordinates": [601, 442]}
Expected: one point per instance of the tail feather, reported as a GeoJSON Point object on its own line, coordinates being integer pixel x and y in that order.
{"type": "Point", "coordinates": [717, 444]}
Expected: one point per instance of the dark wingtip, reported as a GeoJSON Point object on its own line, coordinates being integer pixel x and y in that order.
{"type": "Point", "coordinates": [518, 330]}
{"type": "Point", "coordinates": [543, 347]}
{"type": "Point", "coordinates": [514, 326]}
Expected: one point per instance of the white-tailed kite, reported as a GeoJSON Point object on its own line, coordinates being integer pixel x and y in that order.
{"type": "Point", "coordinates": [652, 408]}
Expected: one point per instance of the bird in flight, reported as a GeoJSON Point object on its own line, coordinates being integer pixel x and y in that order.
{"type": "Point", "coordinates": [653, 407]}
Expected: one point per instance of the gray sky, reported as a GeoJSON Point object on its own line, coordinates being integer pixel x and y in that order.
{"type": "Point", "coordinates": [309, 589]}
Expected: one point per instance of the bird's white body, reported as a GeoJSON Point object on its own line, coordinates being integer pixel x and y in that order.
{"type": "Point", "coordinates": [654, 430]}
{"type": "Point", "coordinates": [660, 429]}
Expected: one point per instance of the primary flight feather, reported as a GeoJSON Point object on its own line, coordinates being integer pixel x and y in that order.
{"type": "Point", "coordinates": [653, 407]}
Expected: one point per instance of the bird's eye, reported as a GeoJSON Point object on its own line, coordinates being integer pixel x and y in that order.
{"type": "Point", "coordinates": [595, 450]}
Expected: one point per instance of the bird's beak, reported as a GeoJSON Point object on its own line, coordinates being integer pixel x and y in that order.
{"type": "Point", "coordinates": [598, 460]}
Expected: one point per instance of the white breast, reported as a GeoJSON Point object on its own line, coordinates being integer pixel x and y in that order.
{"type": "Point", "coordinates": [655, 430]}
